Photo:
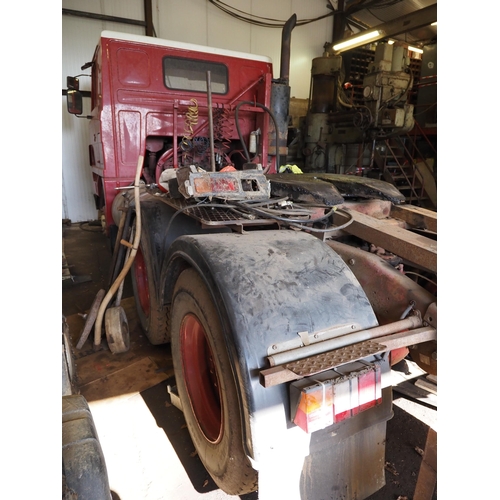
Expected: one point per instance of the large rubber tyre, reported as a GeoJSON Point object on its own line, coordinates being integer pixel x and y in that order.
{"type": "Point", "coordinates": [206, 386]}
{"type": "Point", "coordinates": [152, 315]}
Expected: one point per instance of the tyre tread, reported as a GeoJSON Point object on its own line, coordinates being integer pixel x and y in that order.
{"type": "Point", "coordinates": [238, 477]}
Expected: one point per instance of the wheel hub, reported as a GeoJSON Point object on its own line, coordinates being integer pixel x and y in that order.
{"type": "Point", "coordinates": [202, 380]}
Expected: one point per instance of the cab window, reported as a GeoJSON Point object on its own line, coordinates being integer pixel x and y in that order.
{"type": "Point", "coordinates": [188, 74]}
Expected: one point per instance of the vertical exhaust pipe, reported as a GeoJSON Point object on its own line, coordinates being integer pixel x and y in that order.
{"type": "Point", "coordinates": [286, 42]}
{"type": "Point", "coordinates": [280, 94]}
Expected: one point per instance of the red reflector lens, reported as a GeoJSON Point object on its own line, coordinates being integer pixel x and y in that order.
{"type": "Point", "coordinates": [222, 185]}
{"type": "Point", "coordinates": [332, 397]}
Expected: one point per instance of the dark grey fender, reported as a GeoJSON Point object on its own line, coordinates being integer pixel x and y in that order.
{"type": "Point", "coordinates": [268, 286]}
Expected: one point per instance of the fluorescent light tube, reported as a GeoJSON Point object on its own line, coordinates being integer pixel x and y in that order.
{"type": "Point", "coordinates": [358, 40]}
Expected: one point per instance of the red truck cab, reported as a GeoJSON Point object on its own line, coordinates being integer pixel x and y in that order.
{"type": "Point", "coordinates": [150, 95]}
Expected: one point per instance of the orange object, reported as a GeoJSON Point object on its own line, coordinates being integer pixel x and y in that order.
{"type": "Point", "coordinates": [334, 396]}
{"type": "Point", "coordinates": [315, 410]}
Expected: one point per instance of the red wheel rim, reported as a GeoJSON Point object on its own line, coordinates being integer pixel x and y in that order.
{"type": "Point", "coordinates": [141, 280]}
{"type": "Point", "coordinates": [200, 375]}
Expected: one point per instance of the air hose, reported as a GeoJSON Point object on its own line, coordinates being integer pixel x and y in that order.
{"type": "Point", "coordinates": [128, 264]}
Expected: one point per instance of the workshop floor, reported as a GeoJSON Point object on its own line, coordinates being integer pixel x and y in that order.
{"type": "Point", "coordinates": [148, 451]}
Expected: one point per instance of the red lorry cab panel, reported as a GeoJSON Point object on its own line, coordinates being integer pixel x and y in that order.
{"type": "Point", "coordinates": [142, 88]}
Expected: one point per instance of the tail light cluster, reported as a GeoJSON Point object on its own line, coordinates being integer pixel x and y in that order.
{"type": "Point", "coordinates": [335, 395]}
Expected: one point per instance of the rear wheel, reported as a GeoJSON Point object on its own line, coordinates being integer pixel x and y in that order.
{"type": "Point", "coordinates": [152, 315]}
{"type": "Point", "coordinates": [207, 387]}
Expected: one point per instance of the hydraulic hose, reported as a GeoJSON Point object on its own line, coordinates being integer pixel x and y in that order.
{"type": "Point", "coordinates": [268, 213]}
{"type": "Point", "coordinates": [128, 264]}
{"type": "Point", "coordinates": [300, 223]}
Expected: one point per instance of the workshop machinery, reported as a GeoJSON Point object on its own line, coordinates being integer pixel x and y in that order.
{"type": "Point", "coordinates": [285, 297]}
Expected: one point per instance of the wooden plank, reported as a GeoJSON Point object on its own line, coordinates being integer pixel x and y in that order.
{"type": "Point", "coordinates": [416, 216]}
{"type": "Point", "coordinates": [415, 248]}
{"type": "Point", "coordinates": [410, 390]}
{"type": "Point", "coordinates": [413, 371]}
{"type": "Point", "coordinates": [427, 476]}
{"type": "Point", "coordinates": [102, 374]}
{"type": "Point", "coordinates": [91, 317]}
{"type": "Point", "coordinates": [426, 385]}
{"type": "Point", "coordinates": [380, 209]}
{"type": "Point", "coordinates": [103, 363]}
{"type": "Point", "coordinates": [132, 379]}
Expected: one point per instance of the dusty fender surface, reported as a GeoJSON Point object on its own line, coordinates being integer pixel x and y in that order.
{"type": "Point", "coordinates": [353, 186]}
{"type": "Point", "coordinates": [332, 189]}
{"type": "Point", "coordinates": [304, 189]}
{"type": "Point", "coordinates": [268, 286]}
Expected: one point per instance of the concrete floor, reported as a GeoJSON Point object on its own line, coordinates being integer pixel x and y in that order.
{"type": "Point", "coordinates": [148, 451]}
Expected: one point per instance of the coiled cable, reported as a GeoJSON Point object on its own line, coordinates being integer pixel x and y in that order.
{"type": "Point", "coordinates": [191, 119]}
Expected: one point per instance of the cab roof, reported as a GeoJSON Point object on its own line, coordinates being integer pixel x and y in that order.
{"type": "Point", "coordinates": [182, 45]}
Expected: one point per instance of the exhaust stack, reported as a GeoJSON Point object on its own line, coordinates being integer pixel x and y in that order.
{"type": "Point", "coordinates": [280, 93]}
{"type": "Point", "coordinates": [286, 42]}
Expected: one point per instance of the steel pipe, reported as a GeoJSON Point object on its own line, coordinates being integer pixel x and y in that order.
{"type": "Point", "coordinates": [344, 340]}
{"type": "Point", "coordinates": [286, 37]}
{"type": "Point", "coordinates": [210, 121]}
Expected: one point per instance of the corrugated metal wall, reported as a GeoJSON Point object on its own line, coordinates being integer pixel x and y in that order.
{"type": "Point", "coordinates": [193, 21]}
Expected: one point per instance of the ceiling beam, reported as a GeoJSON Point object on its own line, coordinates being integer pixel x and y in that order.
{"type": "Point", "coordinates": [147, 24]}
{"type": "Point", "coordinates": [102, 17]}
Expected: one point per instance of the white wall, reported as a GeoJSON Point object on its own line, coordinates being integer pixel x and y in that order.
{"type": "Point", "coordinates": [194, 21]}
{"type": "Point", "coordinates": [79, 37]}
{"type": "Point", "coordinates": [198, 21]}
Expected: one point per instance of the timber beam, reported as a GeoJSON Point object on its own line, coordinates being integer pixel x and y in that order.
{"type": "Point", "coordinates": [412, 247]}
{"type": "Point", "coordinates": [416, 216]}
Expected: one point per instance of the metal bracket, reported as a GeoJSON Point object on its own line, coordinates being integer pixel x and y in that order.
{"type": "Point", "coordinates": [430, 315]}
{"type": "Point", "coordinates": [305, 338]}
{"type": "Point", "coordinates": [174, 397]}
{"type": "Point", "coordinates": [295, 370]}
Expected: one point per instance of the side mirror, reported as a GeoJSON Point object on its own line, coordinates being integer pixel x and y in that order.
{"type": "Point", "coordinates": [72, 83]}
{"type": "Point", "coordinates": [74, 102]}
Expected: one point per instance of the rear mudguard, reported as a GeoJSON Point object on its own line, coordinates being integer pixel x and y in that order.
{"type": "Point", "coordinates": [268, 286]}
{"type": "Point", "coordinates": [156, 216]}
